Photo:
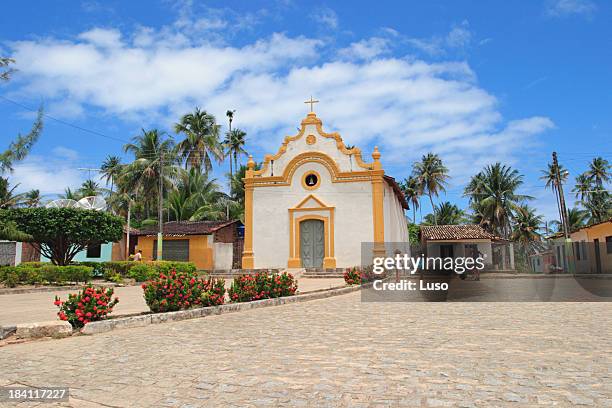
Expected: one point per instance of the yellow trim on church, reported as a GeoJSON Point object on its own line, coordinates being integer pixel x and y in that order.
{"type": "Point", "coordinates": [373, 172]}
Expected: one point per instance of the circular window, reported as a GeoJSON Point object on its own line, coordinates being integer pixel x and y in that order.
{"type": "Point", "coordinates": [311, 180]}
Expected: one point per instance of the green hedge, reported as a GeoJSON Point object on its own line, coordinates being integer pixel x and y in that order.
{"type": "Point", "coordinates": [143, 271]}
{"type": "Point", "coordinates": [45, 273]}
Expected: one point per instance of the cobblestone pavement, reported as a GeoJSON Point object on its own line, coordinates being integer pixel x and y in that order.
{"type": "Point", "coordinates": [38, 307]}
{"type": "Point", "coordinates": [338, 352]}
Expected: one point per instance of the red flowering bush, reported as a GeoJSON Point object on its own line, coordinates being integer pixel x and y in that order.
{"type": "Point", "coordinates": [182, 290]}
{"type": "Point", "coordinates": [352, 276]}
{"type": "Point", "coordinates": [262, 285]}
{"type": "Point", "coordinates": [90, 305]}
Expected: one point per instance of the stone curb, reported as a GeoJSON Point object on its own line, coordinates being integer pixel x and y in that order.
{"type": "Point", "coordinates": [54, 328]}
{"type": "Point", "coordinates": [155, 318]}
{"type": "Point", "coordinates": [549, 276]}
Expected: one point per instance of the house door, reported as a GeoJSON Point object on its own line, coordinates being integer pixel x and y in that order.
{"type": "Point", "coordinates": [597, 255]}
{"type": "Point", "coordinates": [312, 243]}
{"type": "Point", "coordinates": [173, 250]}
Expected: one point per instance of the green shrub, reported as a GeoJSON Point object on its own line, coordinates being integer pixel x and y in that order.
{"type": "Point", "coordinates": [179, 267]}
{"type": "Point", "coordinates": [89, 305]}
{"type": "Point", "coordinates": [47, 273]}
{"type": "Point", "coordinates": [142, 272]}
{"type": "Point", "coordinates": [98, 267]}
{"type": "Point", "coordinates": [176, 291]}
{"type": "Point", "coordinates": [76, 273]}
{"type": "Point", "coordinates": [246, 288]}
{"type": "Point", "coordinates": [120, 267]}
{"type": "Point", "coordinates": [352, 276]}
{"type": "Point", "coordinates": [9, 276]}
{"type": "Point", "coordinates": [52, 274]}
{"type": "Point", "coordinates": [123, 268]}
{"type": "Point", "coordinates": [116, 278]}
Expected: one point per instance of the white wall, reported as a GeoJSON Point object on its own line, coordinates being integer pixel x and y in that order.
{"type": "Point", "coordinates": [396, 225]}
{"type": "Point", "coordinates": [353, 217]}
{"type": "Point", "coordinates": [223, 255]}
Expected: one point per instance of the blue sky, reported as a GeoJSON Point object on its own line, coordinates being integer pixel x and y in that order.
{"type": "Point", "coordinates": [475, 82]}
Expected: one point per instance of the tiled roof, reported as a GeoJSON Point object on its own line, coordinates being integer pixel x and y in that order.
{"type": "Point", "coordinates": [455, 232]}
{"type": "Point", "coordinates": [398, 191]}
{"type": "Point", "coordinates": [187, 227]}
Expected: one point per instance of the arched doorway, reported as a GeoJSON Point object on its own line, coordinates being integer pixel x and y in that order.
{"type": "Point", "coordinates": [312, 243]}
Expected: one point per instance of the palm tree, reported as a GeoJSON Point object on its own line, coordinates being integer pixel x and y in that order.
{"type": "Point", "coordinates": [583, 187]}
{"type": "Point", "coordinates": [599, 172]}
{"type": "Point", "coordinates": [413, 191]}
{"type": "Point", "coordinates": [431, 175]}
{"type": "Point", "coordinates": [201, 140]}
{"type": "Point", "coordinates": [234, 146]}
{"type": "Point", "coordinates": [7, 198]}
{"type": "Point", "coordinates": [196, 197]}
{"type": "Point", "coordinates": [32, 198]}
{"type": "Point", "coordinates": [69, 195]}
{"type": "Point", "coordinates": [155, 163]}
{"type": "Point", "coordinates": [525, 228]}
{"type": "Point", "coordinates": [576, 218]}
{"type": "Point", "coordinates": [550, 177]}
{"type": "Point", "coordinates": [111, 169]}
{"type": "Point", "coordinates": [493, 195]}
{"type": "Point", "coordinates": [89, 188]}
{"type": "Point", "coordinates": [446, 214]}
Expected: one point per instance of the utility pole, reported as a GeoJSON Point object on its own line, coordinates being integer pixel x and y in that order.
{"type": "Point", "coordinates": [564, 216]}
{"type": "Point", "coordinates": [159, 209]}
{"type": "Point", "coordinates": [561, 196]}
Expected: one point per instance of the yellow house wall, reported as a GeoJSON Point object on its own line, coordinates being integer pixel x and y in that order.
{"type": "Point", "coordinates": [200, 249]}
{"type": "Point", "coordinates": [600, 232]}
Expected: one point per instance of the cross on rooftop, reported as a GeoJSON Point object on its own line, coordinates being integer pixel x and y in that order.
{"type": "Point", "coordinates": [311, 102]}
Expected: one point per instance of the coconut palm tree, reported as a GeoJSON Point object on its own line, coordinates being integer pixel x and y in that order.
{"type": "Point", "coordinates": [599, 172]}
{"type": "Point", "coordinates": [89, 188]}
{"type": "Point", "coordinates": [196, 197]}
{"type": "Point", "coordinates": [446, 214]}
{"type": "Point", "coordinates": [583, 187]}
{"type": "Point", "coordinates": [526, 227]}
{"type": "Point", "coordinates": [32, 198]}
{"type": "Point", "coordinates": [576, 218]}
{"type": "Point", "coordinates": [155, 163]}
{"type": "Point", "coordinates": [69, 195]}
{"type": "Point", "coordinates": [432, 175]}
{"type": "Point", "coordinates": [7, 197]}
{"type": "Point", "coordinates": [493, 193]}
{"type": "Point", "coordinates": [201, 140]}
{"type": "Point", "coordinates": [550, 177]}
{"type": "Point", "coordinates": [413, 191]}
{"type": "Point", "coordinates": [234, 146]}
{"type": "Point", "coordinates": [111, 169]}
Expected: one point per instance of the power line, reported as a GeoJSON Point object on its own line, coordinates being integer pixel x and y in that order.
{"type": "Point", "coordinates": [93, 132]}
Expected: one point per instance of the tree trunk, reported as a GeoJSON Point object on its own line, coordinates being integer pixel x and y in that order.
{"type": "Point", "coordinates": [433, 210]}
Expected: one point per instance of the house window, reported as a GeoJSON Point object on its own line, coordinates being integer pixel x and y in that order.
{"type": "Point", "coordinates": [609, 245]}
{"type": "Point", "coordinates": [94, 251]}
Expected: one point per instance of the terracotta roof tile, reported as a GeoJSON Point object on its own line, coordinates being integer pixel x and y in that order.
{"type": "Point", "coordinates": [455, 232]}
{"type": "Point", "coordinates": [187, 227]}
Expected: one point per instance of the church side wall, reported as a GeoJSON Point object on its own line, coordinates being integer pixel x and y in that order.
{"type": "Point", "coordinates": [352, 214]}
{"type": "Point", "coordinates": [396, 228]}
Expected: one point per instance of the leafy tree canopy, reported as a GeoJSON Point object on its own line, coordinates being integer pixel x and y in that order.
{"type": "Point", "coordinates": [60, 233]}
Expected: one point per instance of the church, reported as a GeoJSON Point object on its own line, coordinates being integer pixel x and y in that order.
{"type": "Point", "coordinates": [314, 202]}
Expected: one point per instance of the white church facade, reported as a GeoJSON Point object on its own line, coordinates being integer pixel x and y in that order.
{"type": "Point", "coordinates": [313, 203]}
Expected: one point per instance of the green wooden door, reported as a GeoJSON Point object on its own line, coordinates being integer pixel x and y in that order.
{"type": "Point", "coordinates": [312, 243]}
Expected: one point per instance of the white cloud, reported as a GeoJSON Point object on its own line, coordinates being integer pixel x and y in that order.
{"type": "Point", "coordinates": [365, 49]}
{"type": "Point", "coordinates": [458, 38]}
{"type": "Point", "coordinates": [50, 174]}
{"type": "Point", "coordinates": [110, 38]}
{"type": "Point", "coordinates": [562, 8]}
{"type": "Point", "coordinates": [407, 105]}
{"type": "Point", "coordinates": [325, 16]}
